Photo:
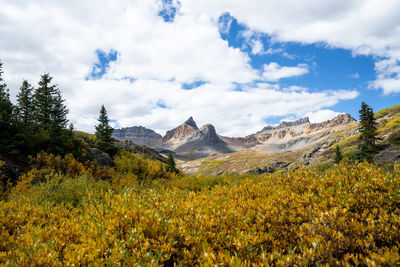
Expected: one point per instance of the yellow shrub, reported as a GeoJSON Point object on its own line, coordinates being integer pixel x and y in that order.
{"type": "Point", "coordinates": [347, 215]}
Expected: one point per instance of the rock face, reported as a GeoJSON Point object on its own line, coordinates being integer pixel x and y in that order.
{"type": "Point", "coordinates": [182, 132]}
{"type": "Point", "coordinates": [138, 135]}
{"type": "Point", "coordinates": [289, 136]}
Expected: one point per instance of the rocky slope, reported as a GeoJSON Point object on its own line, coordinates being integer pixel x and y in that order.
{"type": "Point", "coordinates": [289, 136]}
{"type": "Point", "coordinates": [138, 135]}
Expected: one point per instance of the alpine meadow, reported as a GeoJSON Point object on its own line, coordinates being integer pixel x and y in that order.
{"type": "Point", "coordinates": [211, 133]}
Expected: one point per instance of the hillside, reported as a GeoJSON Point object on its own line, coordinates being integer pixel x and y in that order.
{"type": "Point", "coordinates": [301, 143]}
{"type": "Point", "coordinates": [388, 120]}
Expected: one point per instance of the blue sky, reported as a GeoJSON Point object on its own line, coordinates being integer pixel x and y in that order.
{"type": "Point", "coordinates": [237, 65]}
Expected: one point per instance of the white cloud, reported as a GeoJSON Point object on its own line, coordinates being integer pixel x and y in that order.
{"type": "Point", "coordinates": [388, 77]}
{"type": "Point", "coordinates": [367, 27]}
{"type": "Point", "coordinates": [274, 72]}
{"type": "Point", "coordinates": [61, 37]}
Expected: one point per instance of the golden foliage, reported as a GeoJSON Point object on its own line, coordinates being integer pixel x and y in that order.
{"type": "Point", "coordinates": [349, 214]}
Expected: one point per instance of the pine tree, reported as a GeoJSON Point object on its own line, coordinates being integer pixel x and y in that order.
{"type": "Point", "coordinates": [104, 132]}
{"type": "Point", "coordinates": [338, 155]}
{"type": "Point", "coordinates": [171, 164]}
{"type": "Point", "coordinates": [25, 105]}
{"type": "Point", "coordinates": [7, 119]}
{"type": "Point", "coordinates": [368, 132]}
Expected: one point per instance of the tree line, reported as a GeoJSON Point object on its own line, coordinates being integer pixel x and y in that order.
{"type": "Point", "coordinates": [37, 122]}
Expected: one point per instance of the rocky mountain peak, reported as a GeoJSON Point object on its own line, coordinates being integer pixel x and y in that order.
{"type": "Point", "coordinates": [183, 131]}
{"type": "Point", "coordinates": [340, 119]}
{"type": "Point", "coordinates": [209, 133]}
{"type": "Point", "coordinates": [138, 135]}
{"type": "Point", "coordinates": [343, 119]}
{"type": "Point", "coordinates": [191, 122]}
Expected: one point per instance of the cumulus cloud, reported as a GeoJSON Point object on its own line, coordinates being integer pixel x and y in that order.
{"type": "Point", "coordinates": [365, 27]}
{"type": "Point", "coordinates": [388, 76]}
{"type": "Point", "coordinates": [274, 72]}
{"type": "Point", "coordinates": [62, 38]}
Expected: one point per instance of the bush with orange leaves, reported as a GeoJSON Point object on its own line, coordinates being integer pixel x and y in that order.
{"type": "Point", "coordinates": [346, 215]}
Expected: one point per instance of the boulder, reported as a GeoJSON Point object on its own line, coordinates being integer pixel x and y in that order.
{"type": "Point", "coordinates": [100, 158]}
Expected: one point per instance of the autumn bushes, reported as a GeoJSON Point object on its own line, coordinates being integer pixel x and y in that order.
{"type": "Point", "coordinates": [347, 214]}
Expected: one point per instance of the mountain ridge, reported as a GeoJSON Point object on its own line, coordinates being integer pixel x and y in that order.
{"type": "Point", "coordinates": [189, 142]}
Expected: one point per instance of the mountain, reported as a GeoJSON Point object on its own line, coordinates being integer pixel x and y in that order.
{"type": "Point", "coordinates": [289, 136]}
{"type": "Point", "coordinates": [318, 147]}
{"type": "Point", "coordinates": [188, 142]}
{"type": "Point", "coordinates": [138, 135]}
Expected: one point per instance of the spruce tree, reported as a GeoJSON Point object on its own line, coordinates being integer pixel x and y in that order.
{"type": "Point", "coordinates": [59, 112]}
{"type": "Point", "coordinates": [25, 104]}
{"type": "Point", "coordinates": [7, 119]}
{"type": "Point", "coordinates": [338, 155]}
{"type": "Point", "coordinates": [368, 131]}
{"type": "Point", "coordinates": [43, 101]}
{"type": "Point", "coordinates": [104, 132]}
{"type": "Point", "coordinates": [171, 164]}
{"type": "Point", "coordinates": [50, 118]}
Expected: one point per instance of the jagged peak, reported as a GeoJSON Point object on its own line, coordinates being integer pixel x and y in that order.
{"type": "Point", "coordinates": [340, 119]}
{"type": "Point", "coordinates": [344, 116]}
{"type": "Point", "coordinates": [191, 122]}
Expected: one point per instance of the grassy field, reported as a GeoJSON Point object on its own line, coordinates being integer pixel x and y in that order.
{"type": "Point", "coordinates": [237, 162]}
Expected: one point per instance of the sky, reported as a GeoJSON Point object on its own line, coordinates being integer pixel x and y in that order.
{"type": "Point", "coordinates": [239, 65]}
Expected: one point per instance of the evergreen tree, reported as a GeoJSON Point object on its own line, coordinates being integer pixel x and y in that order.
{"type": "Point", "coordinates": [104, 132]}
{"type": "Point", "coordinates": [338, 155]}
{"type": "Point", "coordinates": [25, 105]}
{"type": "Point", "coordinates": [59, 112]}
{"type": "Point", "coordinates": [43, 101]}
{"type": "Point", "coordinates": [171, 164]}
{"type": "Point", "coordinates": [368, 132]}
{"type": "Point", "coordinates": [50, 118]}
{"type": "Point", "coordinates": [7, 119]}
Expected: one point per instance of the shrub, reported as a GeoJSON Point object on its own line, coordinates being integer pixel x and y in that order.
{"type": "Point", "coordinates": [59, 190]}
{"type": "Point", "coordinates": [346, 215]}
{"type": "Point", "coordinates": [142, 168]}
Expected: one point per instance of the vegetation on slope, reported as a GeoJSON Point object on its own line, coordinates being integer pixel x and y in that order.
{"type": "Point", "coordinates": [347, 214]}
